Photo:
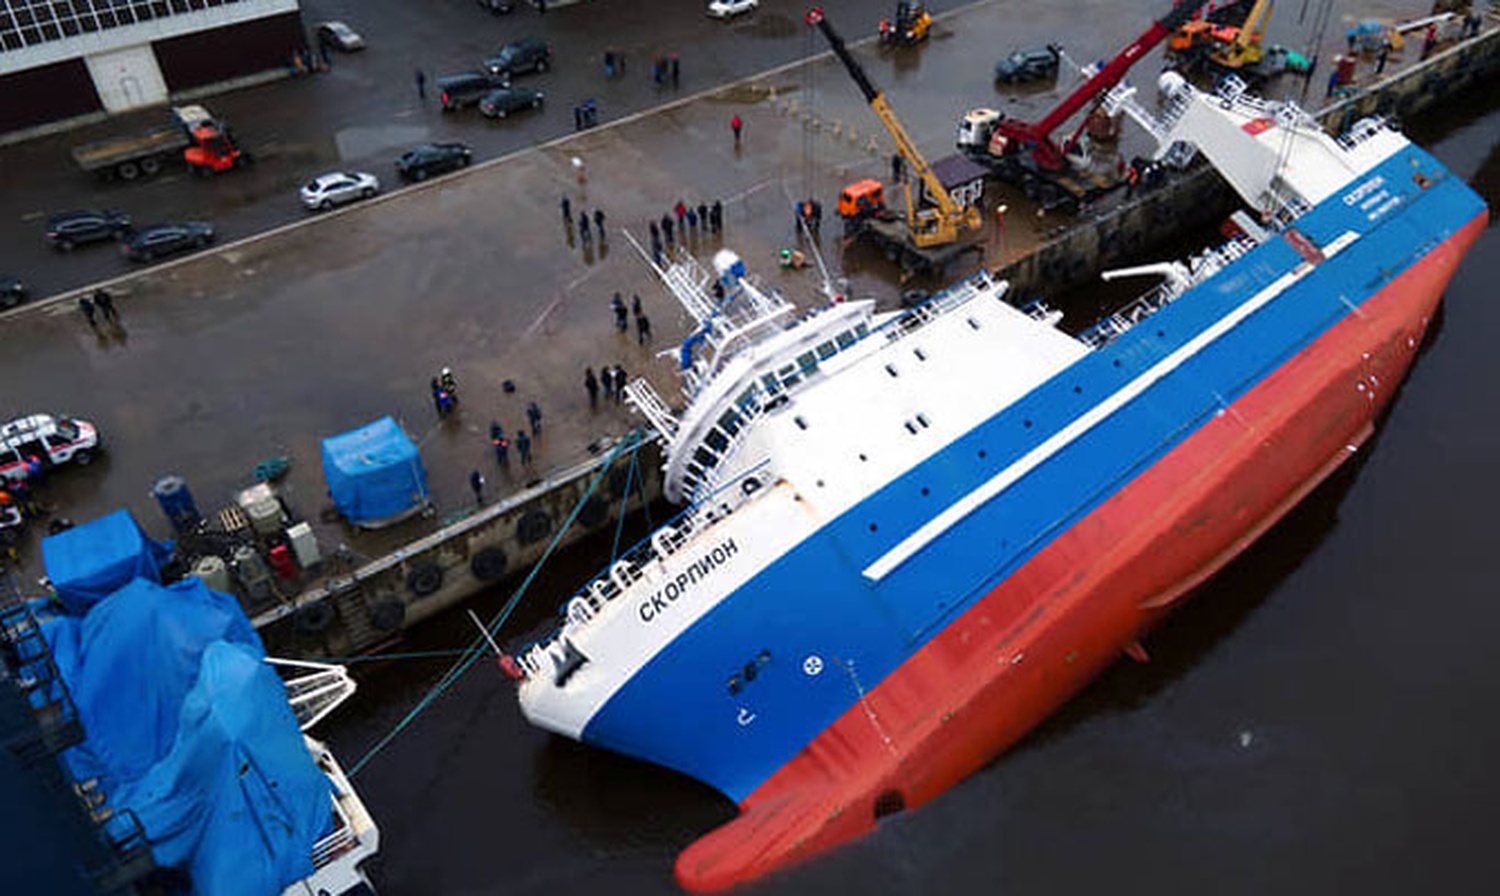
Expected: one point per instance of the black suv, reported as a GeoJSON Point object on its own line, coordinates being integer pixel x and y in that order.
{"type": "Point", "coordinates": [69, 229]}
{"type": "Point", "coordinates": [1030, 64]}
{"type": "Point", "coordinates": [432, 158]}
{"type": "Point", "coordinates": [467, 88]}
{"type": "Point", "coordinates": [529, 54]}
{"type": "Point", "coordinates": [164, 239]}
{"type": "Point", "coordinates": [506, 100]}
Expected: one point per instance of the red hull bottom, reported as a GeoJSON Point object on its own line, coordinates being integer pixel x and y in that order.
{"type": "Point", "coordinates": [1046, 631]}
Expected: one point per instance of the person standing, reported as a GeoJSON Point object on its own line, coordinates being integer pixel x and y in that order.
{"type": "Point", "coordinates": [106, 305]}
{"type": "Point", "coordinates": [675, 71]}
{"type": "Point", "coordinates": [642, 329]}
{"type": "Point", "coordinates": [500, 443]}
{"type": "Point", "coordinates": [523, 447]}
{"type": "Point", "coordinates": [619, 383]}
{"type": "Point", "coordinates": [86, 305]}
{"type": "Point", "coordinates": [567, 211]}
{"type": "Point", "coordinates": [635, 305]}
{"type": "Point", "coordinates": [692, 219]}
{"type": "Point", "coordinates": [437, 397]}
{"type": "Point", "coordinates": [617, 305]}
{"type": "Point", "coordinates": [717, 216]}
{"type": "Point", "coordinates": [736, 125]}
{"type": "Point", "coordinates": [703, 216]}
{"type": "Point", "coordinates": [666, 228]}
{"type": "Point", "coordinates": [680, 211]}
{"type": "Point", "coordinates": [898, 168]}
{"type": "Point", "coordinates": [534, 417]}
{"type": "Point", "coordinates": [583, 227]}
{"type": "Point", "coordinates": [1385, 52]}
{"type": "Point", "coordinates": [607, 381]}
{"type": "Point", "coordinates": [421, 78]}
{"type": "Point", "coordinates": [599, 222]}
{"type": "Point", "coordinates": [591, 383]}
{"type": "Point", "coordinates": [476, 484]}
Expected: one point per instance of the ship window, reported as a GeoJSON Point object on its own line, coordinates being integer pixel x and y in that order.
{"type": "Point", "coordinates": [861, 330]}
{"type": "Point", "coordinates": [864, 457]}
{"type": "Point", "coordinates": [801, 423]}
{"type": "Point", "coordinates": [922, 419]}
{"type": "Point", "coordinates": [717, 440]}
{"type": "Point", "coordinates": [891, 369]}
{"type": "Point", "coordinates": [973, 323]}
{"type": "Point", "coordinates": [729, 421]}
{"type": "Point", "coordinates": [845, 339]}
{"type": "Point", "coordinates": [807, 362]}
{"type": "Point", "coordinates": [789, 376]}
{"type": "Point", "coordinates": [748, 401]}
{"type": "Point", "coordinates": [921, 355]}
{"type": "Point", "coordinates": [827, 350]}
{"type": "Point", "coordinates": [705, 457]}
{"type": "Point", "coordinates": [771, 383]}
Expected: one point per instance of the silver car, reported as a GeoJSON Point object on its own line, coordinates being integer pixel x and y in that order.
{"type": "Point", "coordinates": [337, 187]}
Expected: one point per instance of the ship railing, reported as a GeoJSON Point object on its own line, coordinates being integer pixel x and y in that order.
{"type": "Point", "coordinates": [954, 297]}
{"type": "Point", "coordinates": [29, 658]}
{"type": "Point", "coordinates": [1233, 92]}
{"type": "Point", "coordinates": [339, 841]}
{"type": "Point", "coordinates": [1200, 268]}
{"type": "Point", "coordinates": [316, 694]}
{"type": "Point", "coordinates": [642, 396]}
{"type": "Point", "coordinates": [585, 605]}
{"type": "Point", "coordinates": [1361, 131]}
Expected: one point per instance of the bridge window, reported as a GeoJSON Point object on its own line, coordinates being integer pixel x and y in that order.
{"type": "Point", "coordinates": [844, 339]}
{"type": "Point", "coordinates": [827, 350]}
{"type": "Point", "coordinates": [705, 457]}
{"type": "Point", "coordinates": [730, 421]}
{"type": "Point", "coordinates": [807, 362]}
{"type": "Point", "coordinates": [717, 440]}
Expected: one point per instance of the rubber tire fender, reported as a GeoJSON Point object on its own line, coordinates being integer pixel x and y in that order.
{"type": "Point", "coordinates": [424, 579]}
{"type": "Point", "coordinates": [488, 564]}
{"type": "Point", "coordinates": [388, 615]}
{"type": "Point", "coordinates": [315, 618]}
{"type": "Point", "coordinates": [533, 527]}
{"type": "Point", "coordinates": [594, 512]}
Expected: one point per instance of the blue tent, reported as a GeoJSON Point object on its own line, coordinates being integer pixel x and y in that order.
{"type": "Point", "coordinates": [87, 563]}
{"type": "Point", "coordinates": [187, 726]}
{"type": "Point", "coordinates": [374, 474]}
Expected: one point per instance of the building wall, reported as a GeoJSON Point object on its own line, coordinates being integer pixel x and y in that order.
{"type": "Point", "coordinates": [131, 53]}
{"type": "Point", "coordinates": [49, 93]}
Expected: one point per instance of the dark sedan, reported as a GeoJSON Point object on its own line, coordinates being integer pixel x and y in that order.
{"type": "Point", "coordinates": [74, 228]}
{"type": "Point", "coordinates": [502, 102]}
{"type": "Point", "coordinates": [164, 239]}
{"type": "Point", "coordinates": [432, 158]}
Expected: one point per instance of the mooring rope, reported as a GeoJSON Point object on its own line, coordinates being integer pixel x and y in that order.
{"type": "Point", "coordinates": [478, 646]}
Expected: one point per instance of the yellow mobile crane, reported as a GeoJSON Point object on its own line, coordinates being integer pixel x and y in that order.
{"type": "Point", "coordinates": [931, 236]}
{"type": "Point", "coordinates": [1245, 49]}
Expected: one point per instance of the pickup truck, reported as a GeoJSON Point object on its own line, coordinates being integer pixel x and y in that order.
{"type": "Point", "coordinates": [193, 134]}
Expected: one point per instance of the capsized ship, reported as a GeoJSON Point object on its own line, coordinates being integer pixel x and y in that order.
{"type": "Point", "coordinates": [911, 536]}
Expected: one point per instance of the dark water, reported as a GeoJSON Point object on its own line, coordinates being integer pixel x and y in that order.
{"type": "Point", "coordinates": [1323, 718]}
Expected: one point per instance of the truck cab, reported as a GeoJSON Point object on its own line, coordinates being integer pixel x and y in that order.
{"type": "Point", "coordinates": [211, 147]}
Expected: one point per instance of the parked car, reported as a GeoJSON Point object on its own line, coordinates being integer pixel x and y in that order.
{"type": "Point", "coordinates": [725, 9]}
{"type": "Point", "coordinates": [164, 239]}
{"type": "Point", "coordinates": [337, 187]}
{"type": "Point", "coordinates": [502, 102]}
{"type": "Point", "coordinates": [12, 291]}
{"type": "Point", "coordinates": [529, 54]}
{"type": "Point", "coordinates": [54, 439]}
{"type": "Point", "coordinates": [498, 7]}
{"type": "Point", "coordinates": [340, 37]}
{"type": "Point", "coordinates": [1030, 64]}
{"type": "Point", "coordinates": [467, 88]}
{"type": "Point", "coordinates": [432, 158]}
{"type": "Point", "coordinates": [70, 229]}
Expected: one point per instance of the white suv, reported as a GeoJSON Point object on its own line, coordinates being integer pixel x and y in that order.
{"type": "Point", "coordinates": [56, 440]}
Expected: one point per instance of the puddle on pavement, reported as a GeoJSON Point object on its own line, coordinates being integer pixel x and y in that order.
{"type": "Point", "coordinates": [770, 25]}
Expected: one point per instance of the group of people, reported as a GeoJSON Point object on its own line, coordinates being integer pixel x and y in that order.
{"type": "Point", "coordinates": [611, 381]}
{"type": "Point", "coordinates": [622, 321]}
{"type": "Point", "coordinates": [584, 232]}
{"type": "Point", "coordinates": [100, 306]}
{"type": "Point", "coordinates": [684, 221]}
{"type": "Point", "coordinates": [663, 68]}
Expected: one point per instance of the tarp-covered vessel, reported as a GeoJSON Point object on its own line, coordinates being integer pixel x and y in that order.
{"type": "Point", "coordinates": [911, 536]}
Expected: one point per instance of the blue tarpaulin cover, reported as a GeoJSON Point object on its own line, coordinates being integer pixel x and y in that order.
{"type": "Point", "coordinates": [88, 562]}
{"type": "Point", "coordinates": [189, 728]}
{"type": "Point", "coordinates": [374, 473]}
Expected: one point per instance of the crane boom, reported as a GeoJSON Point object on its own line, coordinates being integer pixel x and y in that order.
{"type": "Point", "coordinates": [953, 218]}
{"type": "Point", "coordinates": [1037, 136]}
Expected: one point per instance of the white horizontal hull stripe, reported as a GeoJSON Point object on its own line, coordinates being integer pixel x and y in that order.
{"type": "Point", "coordinates": [958, 510]}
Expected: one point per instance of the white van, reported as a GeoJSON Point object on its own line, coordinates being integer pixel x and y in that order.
{"type": "Point", "coordinates": [54, 439]}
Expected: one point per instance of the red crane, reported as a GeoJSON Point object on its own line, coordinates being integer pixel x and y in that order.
{"type": "Point", "coordinates": [1013, 135]}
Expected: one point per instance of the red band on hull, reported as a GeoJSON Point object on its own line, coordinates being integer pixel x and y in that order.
{"type": "Point", "coordinates": [1046, 631]}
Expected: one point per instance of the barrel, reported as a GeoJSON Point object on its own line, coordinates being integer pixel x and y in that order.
{"type": "Point", "coordinates": [176, 502]}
